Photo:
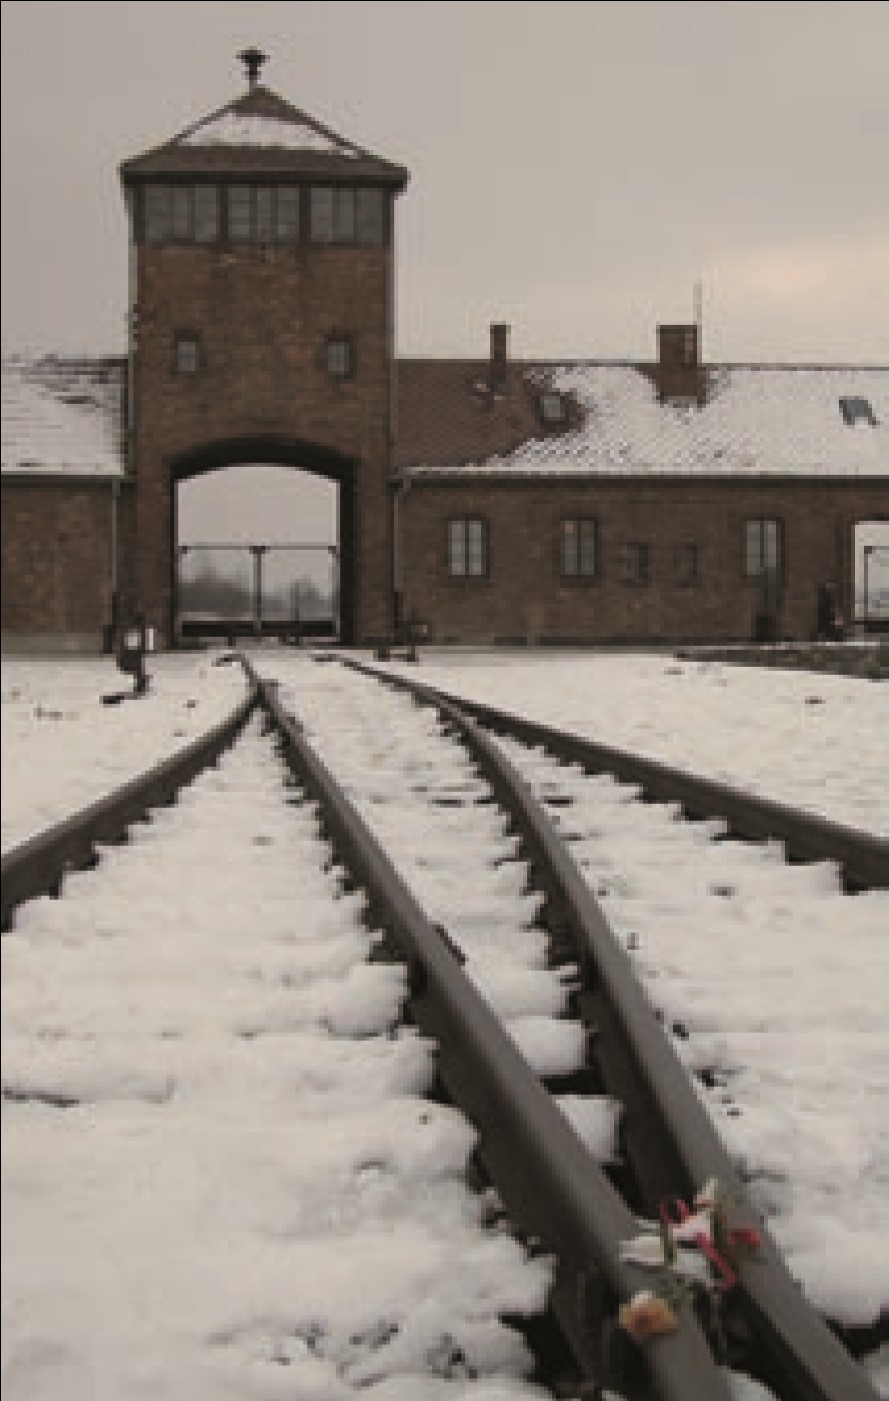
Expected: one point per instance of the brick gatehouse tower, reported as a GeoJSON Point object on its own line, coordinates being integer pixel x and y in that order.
{"type": "Point", "coordinates": [261, 330]}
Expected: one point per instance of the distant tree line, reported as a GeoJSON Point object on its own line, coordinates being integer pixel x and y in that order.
{"type": "Point", "coordinates": [211, 594]}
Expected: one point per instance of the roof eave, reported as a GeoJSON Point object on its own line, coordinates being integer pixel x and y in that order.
{"type": "Point", "coordinates": [167, 164]}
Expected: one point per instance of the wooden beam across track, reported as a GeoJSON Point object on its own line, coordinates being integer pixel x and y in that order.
{"type": "Point", "coordinates": [669, 1139]}
{"type": "Point", "coordinates": [553, 1189]}
{"type": "Point", "coordinates": [37, 866]}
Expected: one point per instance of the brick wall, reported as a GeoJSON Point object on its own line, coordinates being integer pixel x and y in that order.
{"type": "Point", "coordinates": [525, 599]}
{"type": "Point", "coordinates": [262, 317]}
{"type": "Point", "coordinates": [56, 553]}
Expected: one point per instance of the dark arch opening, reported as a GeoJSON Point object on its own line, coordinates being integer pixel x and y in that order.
{"type": "Point", "coordinates": [275, 451]}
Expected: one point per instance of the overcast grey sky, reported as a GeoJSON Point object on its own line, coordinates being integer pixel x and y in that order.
{"type": "Point", "coordinates": [574, 167]}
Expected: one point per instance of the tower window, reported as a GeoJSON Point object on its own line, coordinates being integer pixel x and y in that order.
{"type": "Point", "coordinates": [181, 213]}
{"type": "Point", "coordinates": [240, 223]}
{"type": "Point", "coordinates": [206, 213]}
{"type": "Point", "coordinates": [339, 214]}
{"type": "Point", "coordinates": [187, 354]}
{"type": "Point", "coordinates": [369, 218]}
{"type": "Point", "coordinates": [263, 213]}
{"type": "Point", "coordinates": [340, 357]}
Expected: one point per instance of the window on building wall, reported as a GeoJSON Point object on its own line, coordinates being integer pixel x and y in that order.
{"type": "Point", "coordinates": [206, 213]}
{"type": "Point", "coordinates": [287, 214]}
{"type": "Point", "coordinates": [552, 408]}
{"type": "Point", "coordinates": [578, 548]}
{"type": "Point", "coordinates": [240, 220]}
{"type": "Point", "coordinates": [181, 213]}
{"type": "Point", "coordinates": [468, 547]}
{"type": "Point", "coordinates": [688, 563]}
{"type": "Point", "coordinates": [340, 357]}
{"type": "Point", "coordinates": [369, 218]}
{"type": "Point", "coordinates": [263, 213]}
{"type": "Point", "coordinates": [762, 547]}
{"type": "Point", "coordinates": [187, 354]}
{"type": "Point", "coordinates": [634, 563]}
{"type": "Point", "coordinates": [158, 206]}
{"type": "Point", "coordinates": [339, 214]}
{"type": "Point", "coordinates": [857, 410]}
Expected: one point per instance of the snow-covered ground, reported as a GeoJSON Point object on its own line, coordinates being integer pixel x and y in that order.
{"type": "Point", "coordinates": [62, 747]}
{"type": "Point", "coordinates": [196, 1023]}
{"type": "Point", "coordinates": [219, 1173]}
{"type": "Point", "coordinates": [814, 741]}
{"type": "Point", "coordinates": [777, 978]}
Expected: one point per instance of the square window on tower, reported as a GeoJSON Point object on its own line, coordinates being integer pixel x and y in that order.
{"type": "Point", "coordinates": [340, 357]}
{"type": "Point", "coordinates": [187, 355]}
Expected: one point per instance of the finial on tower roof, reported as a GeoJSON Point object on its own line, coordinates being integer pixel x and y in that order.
{"type": "Point", "coordinates": [252, 59]}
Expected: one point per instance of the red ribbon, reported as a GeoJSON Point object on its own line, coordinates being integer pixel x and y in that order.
{"type": "Point", "coordinates": [674, 1211]}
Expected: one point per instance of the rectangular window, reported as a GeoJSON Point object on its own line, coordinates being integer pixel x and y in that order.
{"type": "Point", "coordinates": [369, 218]}
{"type": "Point", "coordinates": [468, 547]}
{"type": "Point", "coordinates": [687, 563]}
{"type": "Point", "coordinates": [206, 213]}
{"type": "Point", "coordinates": [240, 222]}
{"type": "Point", "coordinates": [187, 355]}
{"type": "Point", "coordinates": [287, 214]}
{"type": "Point", "coordinates": [181, 212]}
{"type": "Point", "coordinates": [158, 213]}
{"type": "Point", "coordinates": [321, 214]}
{"type": "Point", "coordinates": [343, 216]}
{"type": "Point", "coordinates": [762, 547]}
{"type": "Point", "coordinates": [579, 548]}
{"type": "Point", "coordinates": [552, 407]}
{"type": "Point", "coordinates": [340, 359]}
{"type": "Point", "coordinates": [264, 223]}
{"type": "Point", "coordinates": [634, 563]}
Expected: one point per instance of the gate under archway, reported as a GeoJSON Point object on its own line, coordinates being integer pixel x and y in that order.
{"type": "Point", "coordinates": [289, 591]}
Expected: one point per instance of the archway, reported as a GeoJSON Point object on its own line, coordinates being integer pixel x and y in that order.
{"type": "Point", "coordinates": [273, 569]}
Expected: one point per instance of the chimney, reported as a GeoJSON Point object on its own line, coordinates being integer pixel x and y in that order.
{"type": "Point", "coordinates": [679, 371]}
{"type": "Point", "coordinates": [499, 356]}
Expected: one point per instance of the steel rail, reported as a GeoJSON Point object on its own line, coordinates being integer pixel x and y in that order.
{"type": "Point", "coordinates": [669, 1139]}
{"type": "Point", "coordinates": [862, 856]}
{"type": "Point", "coordinates": [37, 866]}
{"type": "Point", "coordinates": [552, 1188]}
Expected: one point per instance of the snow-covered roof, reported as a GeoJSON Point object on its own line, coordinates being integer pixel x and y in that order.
{"type": "Point", "coordinates": [261, 135]}
{"type": "Point", "coordinates": [62, 415]}
{"type": "Point", "coordinates": [231, 128]}
{"type": "Point", "coordinates": [768, 421]}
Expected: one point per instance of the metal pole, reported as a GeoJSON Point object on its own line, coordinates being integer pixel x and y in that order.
{"type": "Point", "coordinates": [258, 551]}
{"type": "Point", "coordinates": [866, 614]}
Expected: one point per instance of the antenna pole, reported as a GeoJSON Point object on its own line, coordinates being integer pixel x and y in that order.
{"type": "Point", "coordinates": [699, 314]}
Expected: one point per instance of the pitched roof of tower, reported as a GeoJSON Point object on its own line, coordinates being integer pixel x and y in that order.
{"type": "Point", "coordinates": [260, 133]}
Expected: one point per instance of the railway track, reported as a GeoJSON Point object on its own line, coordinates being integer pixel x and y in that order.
{"type": "Point", "coordinates": [541, 1031]}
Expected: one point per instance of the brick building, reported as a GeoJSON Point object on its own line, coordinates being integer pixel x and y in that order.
{"type": "Point", "coordinates": [483, 500]}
